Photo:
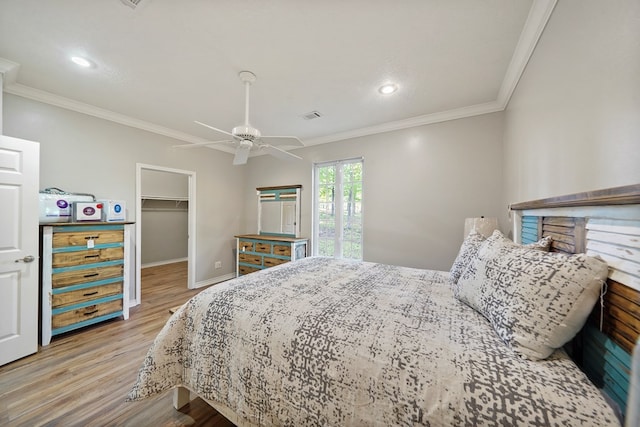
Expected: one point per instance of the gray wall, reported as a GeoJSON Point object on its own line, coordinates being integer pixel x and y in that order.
{"type": "Point", "coordinates": [164, 234]}
{"type": "Point", "coordinates": [419, 186]}
{"type": "Point", "coordinates": [85, 154]}
{"type": "Point", "coordinates": [164, 184]}
{"type": "Point", "coordinates": [573, 123]}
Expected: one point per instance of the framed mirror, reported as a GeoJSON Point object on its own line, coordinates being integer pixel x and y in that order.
{"type": "Point", "coordinates": [279, 210]}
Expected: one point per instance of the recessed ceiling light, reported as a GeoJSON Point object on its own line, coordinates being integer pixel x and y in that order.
{"type": "Point", "coordinates": [82, 62]}
{"type": "Point", "coordinates": [388, 89]}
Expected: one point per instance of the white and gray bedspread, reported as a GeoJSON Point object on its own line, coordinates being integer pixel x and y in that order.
{"type": "Point", "coordinates": [328, 342]}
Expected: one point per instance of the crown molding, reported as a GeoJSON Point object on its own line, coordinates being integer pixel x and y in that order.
{"type": "Point", "coordinates": [427, 119]}
{"type": "Point", "coordinates": [9, 71]}
{"type": "Point", "coordinates": [101, 113]}
{"type": "Point", "coordinates": [537, 19]}
{"type": "Point", "coordinates": [535, 24]}
{"type": "Point", "coordinates": [91, 110]}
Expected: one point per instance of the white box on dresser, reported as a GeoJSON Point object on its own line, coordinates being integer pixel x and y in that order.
{"type": "Point", "coordinates": [84, 275]}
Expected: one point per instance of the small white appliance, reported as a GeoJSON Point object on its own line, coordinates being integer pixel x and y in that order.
{"type": "Point", "coordinates": [55, 204]}
{"type": "Point", "coordinates": [113, 210]}
{"type": "Point", "coordinates": [86, 211]}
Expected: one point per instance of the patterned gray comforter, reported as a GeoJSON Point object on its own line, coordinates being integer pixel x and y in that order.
{"type": "Point", "coordinates": [329, 342]}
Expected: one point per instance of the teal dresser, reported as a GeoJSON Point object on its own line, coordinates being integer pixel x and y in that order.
{"type": "Point", "coordinates": [257, 252]}
{"type": "Point", "coordinates": [84, 275]}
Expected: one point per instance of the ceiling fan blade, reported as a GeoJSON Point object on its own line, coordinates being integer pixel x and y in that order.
{"type": "Point", "coordinates": [242, 154]}
{"type": "Point", "coordinates": [216, 129]}
{"type": "Point", "coordinates": [292, 141]}
{"type": "Point", "coordinates": [201, 144]}
{"type": "Point", "coordinates": [279, 153]}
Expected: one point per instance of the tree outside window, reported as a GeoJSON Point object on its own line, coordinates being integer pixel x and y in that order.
{"type": "Point", "coordinates": [338, 209]}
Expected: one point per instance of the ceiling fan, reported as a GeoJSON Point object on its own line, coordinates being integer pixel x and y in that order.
{"type": "Point", "coordinates": [246, 138]}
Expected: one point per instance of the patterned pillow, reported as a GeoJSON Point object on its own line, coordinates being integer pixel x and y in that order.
{"type": "Point", "coordinates": [467, 253]}
{"type": "Point", "coordinates": [543, 244]}
{"type": "Point", "coordinates": [469, 250]}
{"type": "Point", "coordinates": [536, 301]}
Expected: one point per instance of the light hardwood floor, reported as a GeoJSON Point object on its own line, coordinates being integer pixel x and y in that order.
{"type": "Point", "coordinates": [82, 378]}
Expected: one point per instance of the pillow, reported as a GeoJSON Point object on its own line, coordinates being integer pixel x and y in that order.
{"type": "Point", "coordinates": [543, 244]}
{"type": "Point", "coordinates": [470, 247]}
{"type": "Point", "coordinates": [467, 253]}
{"type": "Point", "coordinates": [536, 301]}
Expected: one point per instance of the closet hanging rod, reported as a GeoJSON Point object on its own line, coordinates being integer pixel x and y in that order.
{"type": "Point", "coordinates": [164, 210]}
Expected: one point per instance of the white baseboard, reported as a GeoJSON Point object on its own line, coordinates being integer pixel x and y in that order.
{"type": "Point", "coordinates": [168, 261]}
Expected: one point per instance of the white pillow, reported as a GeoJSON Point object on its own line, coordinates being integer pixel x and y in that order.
{"type": "Point", "coordinates": [467, 253]}
{"type": "Point", "coordinates": [469, 250]}
{"type": "Point", "coordinates": [536, 301]}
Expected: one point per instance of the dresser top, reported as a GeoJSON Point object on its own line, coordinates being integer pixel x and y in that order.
{"type": "Point", "coordinates": [75, 224]}
{"type": "Point", "coordinates": [271, 238]}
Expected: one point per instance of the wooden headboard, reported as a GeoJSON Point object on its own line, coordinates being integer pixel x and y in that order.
{"type": "Point", "coordinates": [605, 223]}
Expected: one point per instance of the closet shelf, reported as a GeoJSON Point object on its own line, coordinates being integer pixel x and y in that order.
{"type": "Point", "coordinates": [178, 202]}
{"type": "Point", "coordinates": [149, 197]}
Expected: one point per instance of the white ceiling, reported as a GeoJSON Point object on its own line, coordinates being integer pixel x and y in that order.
{"type": "Point", "coordinates": [167, 63]}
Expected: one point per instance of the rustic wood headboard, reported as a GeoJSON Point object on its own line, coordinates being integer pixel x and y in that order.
{"type": "Point", "coordinates": [605, 223]}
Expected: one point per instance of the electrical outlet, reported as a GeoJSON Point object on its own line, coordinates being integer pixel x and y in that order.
{"type": "Point", "coordinates": [218, 264]}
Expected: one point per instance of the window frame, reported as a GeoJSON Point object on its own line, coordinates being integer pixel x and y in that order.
{"type": "Point", "coordinates": [339, 206]}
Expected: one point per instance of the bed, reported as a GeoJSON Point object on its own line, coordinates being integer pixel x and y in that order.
{"type": "Point", "coordinates": [322, 341]}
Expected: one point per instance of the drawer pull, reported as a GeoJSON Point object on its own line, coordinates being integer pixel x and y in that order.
{"type": "Point", "coordinates": [92, 256]}
{"type": "Point", "coordinates": [91, 237]}
{"type": "Point", "coordinates": [90, 293]}
{"type": "Point", "coordinates": [91, 312]}
{"type": "Point", "coordinates": [92, 275]}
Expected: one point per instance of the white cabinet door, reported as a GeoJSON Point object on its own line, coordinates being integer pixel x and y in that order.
{"type": "Point", "coordinates": [289, 218]}
{"type": "Point", "coordinates": [19, 180]}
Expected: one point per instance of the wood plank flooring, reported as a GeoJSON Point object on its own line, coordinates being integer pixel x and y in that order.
{"type": "Point", "coordinates": [82, 378]}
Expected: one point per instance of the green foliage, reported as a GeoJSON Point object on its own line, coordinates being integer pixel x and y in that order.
{"type": "Point", "coordinates": [352, 209]}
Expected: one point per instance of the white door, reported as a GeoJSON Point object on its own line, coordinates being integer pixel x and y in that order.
{"type": "Point", "coordinates": [19, 180]}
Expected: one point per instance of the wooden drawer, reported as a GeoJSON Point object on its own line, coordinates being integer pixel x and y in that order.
{"type": "Point", "coordinates": [94, 274]}
{"type": "Point", "coordinates": [83, 295]}
{"type": "Point", "coordinates": [284, 250]}
{"type": "Point", "coordinates": [270, 262]}
{"type": "Point", "coordinates": [265, 248]}
{"type": "Point", "coordinates": [89, 256]}
{"type": "Point", "coordinates": [248, 246]}
{"type": "Point", "coordinates": [246, 270]}
{"type": "Point", "coordinates": [250, 259]}
{"type": "Point", "coordinates": [81, 314]}
{"type": "Point", "coordinates": [80, 238]}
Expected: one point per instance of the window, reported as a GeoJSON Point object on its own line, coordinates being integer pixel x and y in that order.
{"type": "Point", "coordinates": [337, 229]}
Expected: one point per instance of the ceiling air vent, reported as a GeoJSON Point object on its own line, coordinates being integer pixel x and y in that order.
{"type": "Point", "coordinates": [312, 115]}
{"type": "Point", "coordinates": [132, 3]}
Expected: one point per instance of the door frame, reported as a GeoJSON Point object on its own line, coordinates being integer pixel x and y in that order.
{"type": "Point", "coordinates": [191, 227]}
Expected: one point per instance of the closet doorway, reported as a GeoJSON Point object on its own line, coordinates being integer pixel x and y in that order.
{"type": "Point", "coordinates": [165, 209]}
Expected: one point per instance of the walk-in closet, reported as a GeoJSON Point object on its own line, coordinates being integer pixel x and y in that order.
{"type": "Point", "coordinates": [165, 217]}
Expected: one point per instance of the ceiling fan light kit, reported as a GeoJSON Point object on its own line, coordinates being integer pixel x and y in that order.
{"type": "Point", "coordinates": [246, 137]}
{"type": "Point", "coordinates": [246, 132]}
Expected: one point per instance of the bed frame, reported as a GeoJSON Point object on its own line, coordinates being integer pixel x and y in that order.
{"type": "Point", "coordinates": [604, 223]}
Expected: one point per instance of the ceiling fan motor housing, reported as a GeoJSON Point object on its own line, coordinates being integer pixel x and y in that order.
{"type": "Point", "coordinates": [245, 144]}
{"type": "Point", "coordinates": [246, 132]}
